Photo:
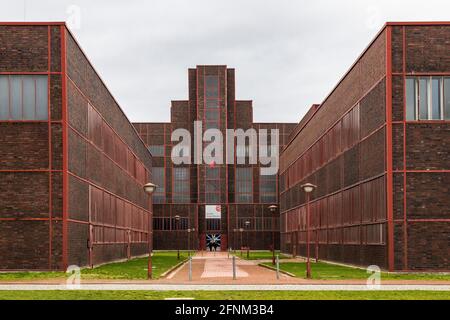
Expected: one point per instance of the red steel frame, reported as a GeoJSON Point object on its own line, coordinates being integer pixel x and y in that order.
{"type": "Point", "coordinates": [65, 117]}
{"type": "Point", "coordinates": [389, 174]}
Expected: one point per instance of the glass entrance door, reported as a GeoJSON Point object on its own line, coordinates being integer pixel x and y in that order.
{"type": "Point", "coordinates": [213, 241]}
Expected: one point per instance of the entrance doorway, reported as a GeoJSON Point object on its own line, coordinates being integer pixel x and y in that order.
{"type": "Point", "coordinates": [213, 241]}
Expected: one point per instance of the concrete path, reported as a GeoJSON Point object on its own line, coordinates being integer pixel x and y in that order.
{"type": "Point", "coordinates": [217, 268]}
{"type": "Point", "coordinates": [222, 287]}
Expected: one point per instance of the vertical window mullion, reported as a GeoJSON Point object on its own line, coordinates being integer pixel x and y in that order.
{"type": "Point", "coordinates": [441, 97]}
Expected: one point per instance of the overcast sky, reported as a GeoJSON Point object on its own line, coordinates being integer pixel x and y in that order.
{"type": "Point", "coordinates": [287, 54]}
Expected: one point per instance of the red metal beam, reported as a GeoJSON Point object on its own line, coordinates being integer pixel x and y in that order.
{"type": "Point", "coordinates": [65, 142]}
{"type": "Point", "coordinates": [389, 175]}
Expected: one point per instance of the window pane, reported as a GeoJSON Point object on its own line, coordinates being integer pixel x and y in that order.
{"type": "Point", "coordinates": [211, 81]}
{"type": "Point", "coordinates": [423, 98]}
{"type": "Point", "coordinates": [29, 98]}
{"type": "Point", "coordinates": [212, 114]}
{"type": "Point", "coordinates": [158, 179]}
{"type": "Point", "coordinates": [447, 98]}
{"type": "Point", "coordinates": [16, 97]}
{"type": "Point", "coordinates": [436, 98]}
{"type": "Point", "coordinates": [212, 173]}
{"type": "Point", "coordinates": [212, 186]}
{"type": "Point", "coordinates": [212, 198]}
{"type": "Point", "coordinates": [212, 92]}
{"type": "Point", "coordinates": [4, 98]}
{"type": "Point", "coordinates": [41, 98]}
{"type": "Point", "coordinates": [411, 99]}
{"type": "Point", "coordinates": [212, 104]}
{"type": "Point", "coordinates": [156, 150]}
{"type": "Point", "coordinates": [211, 125]}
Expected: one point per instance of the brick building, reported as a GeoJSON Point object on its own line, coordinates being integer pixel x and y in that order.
{"type": "Point", "coordinates": [378, 150]}
{"type": "Point", "coordinates": [72, 166]}
{"type": "Point", "coordinates": [217, 200]}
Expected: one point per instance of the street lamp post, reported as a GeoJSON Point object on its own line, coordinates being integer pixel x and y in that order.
{"type": "Point", "coordinates": [189, 240]}
{"type": "Point", "coordinates": [308, 188]}
{"type": "Point", "coordinates": [247, 224]}
{"type": "Point", "coordinates": [149, 188]}
{"type": "Point", "coordinates": [234, 239]}
{"type": "Point", "coordinates": [240, 231]}
{"type": "Point", "coordinates": [177, 224]}
{"type": "Point", "coordinates": [273, 209]}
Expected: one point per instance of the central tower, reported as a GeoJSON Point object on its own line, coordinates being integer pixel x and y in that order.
{"type": "Point", "coordinates": [206, 205]}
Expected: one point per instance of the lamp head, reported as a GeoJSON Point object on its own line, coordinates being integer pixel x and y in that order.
{"type": "Point", "coordinates": [149, 188]}
{"type": "Point", "coordinates": [308, 187]}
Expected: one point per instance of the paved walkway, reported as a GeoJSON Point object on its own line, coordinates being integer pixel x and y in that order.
{"type": "Point", "coordinates": [217, 268]}
{"type": "Point", "coordinates": [214, 271]}
{"type": "Point", "coordinates": [223, 287]}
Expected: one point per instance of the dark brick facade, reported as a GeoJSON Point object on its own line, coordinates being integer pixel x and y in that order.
{"type": "Point", "coordinates": [51, 170]}
{"type": "Point", "coordinates": [394, 179]}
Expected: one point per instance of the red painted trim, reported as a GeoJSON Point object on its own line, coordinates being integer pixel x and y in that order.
{"type": "Point", "coordinates": [422, 171]}
{"type": "Point", "coordinates": [65, 148]}
{"type": "Point", "coordinates": [50, 188]}
{"type": "Point", "coordinates": [29, 72]}
{"type": "Point", "coordinates": [36, 23]}
{"type": "Point", "coordinates": [29, 219]}
{"type": "Point", "coordinates": [418, 23]}
{"type": "Point", "coordinates": [405, 217]}
{"type": "Point", "coordinates": [389, 175]}
{"type": "Point", "coordinates": [418, 74]}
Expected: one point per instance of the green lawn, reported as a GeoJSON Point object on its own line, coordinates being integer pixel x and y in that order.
{"type": "Point", "coordinates": [225, 295]}
{"type": "Point", "coordinates": [133, 269]}
{"type": "Point", "coordinates": [328, 271]}
{"type": "Point", "coordinates": [259, 255]}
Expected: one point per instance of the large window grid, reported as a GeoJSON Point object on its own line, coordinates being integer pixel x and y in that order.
{"type": "Point", "coordinates": [212, 185]}
{"type": "Point", "coordinates": [24, 97]}
{"type": "Point", "coordinates": [244, 185]}
{"type": "Point", "coordinates": [170, 223]}
{"type": "Point", "coordinates": [428, 98]}
{"type": "Point", "coordinates": [258, 224]}
{"type": "Point", "coordinates": [181, 185]}
{"type": "Point", "coordinates": [268, 188]}
{"type": "Point", "coordinates": [158, 177]}
{"type": "Point", "coordinates": [212, 102]}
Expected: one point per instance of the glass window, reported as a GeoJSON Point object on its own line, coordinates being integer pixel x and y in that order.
{"type": "Point", "coordinates": [436, 98]}
{"type": "Point", "coordinates": [268, 188]}
{"type": "Point", "coordinates": [211, 114]}
{"type": "Point", "coordinates": [428, 98]}
{"type": "Point", "coordinates": [23, 97]}
{"type": "Point", "coordinates": [410, 99]}
{"type": "Point", "coordinates": [158, 177]}
{"type": "Point", "coordinates": [156, 150]}
{"type": "Point", "coordinates": [211, 81]}
{"type": "Point", "coordinates": [212, 86]}
{"type": "Point", "coordinates": [212, 173]}
{"type": "Point", "coordinates": [447, 98]}
{"type": "Point", "coordinates": [423, 99]}
{"type": "Point", "coordinates": [181, 185]}
{"type": "Point", "coordinates": [244, 185]}
{"type": "Point", "coordinates": [4, 98]}
{"type": "Point", "coordinates": [15, 98]}
{"type": "Point", "coordinates": [212, 104]}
